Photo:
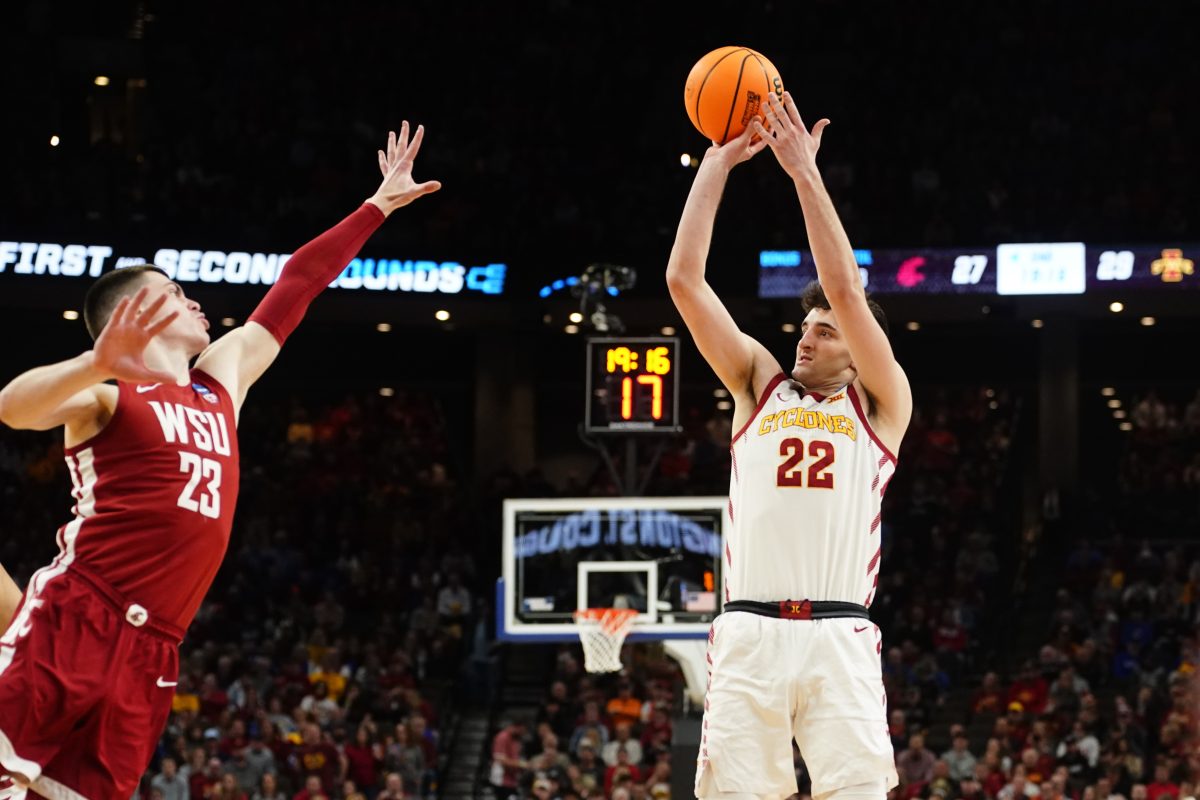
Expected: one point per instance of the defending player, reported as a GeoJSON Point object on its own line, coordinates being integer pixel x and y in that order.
{"type": "Point", "coordinates": [794, 653]}
{"type": "Point", "coordinates": [87, 668]}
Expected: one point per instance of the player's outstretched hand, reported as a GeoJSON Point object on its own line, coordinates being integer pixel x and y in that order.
{"type": "Point", "coordinates": [735, 151]}
{"type": "Point", "coordinates": [794, 147]}
{"type": "Point", "coordinates": [120, 350]}
{"type": "Point", "coordinates": [398, 188]}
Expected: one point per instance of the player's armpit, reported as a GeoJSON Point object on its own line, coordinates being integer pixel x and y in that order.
{"type": "Point", "coordinates": [239, 358]}
{"type": "Point", "coordinates": [10, 597]}
{"type": "Point", "coordinates": [878, 372]}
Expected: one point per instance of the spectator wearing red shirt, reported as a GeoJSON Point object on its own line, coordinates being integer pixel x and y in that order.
{"type": "Point", "coordinates": [235, 740]}
{"type": "Point", "coordinates": [915, 764]}
{"type": "Point", "coordinates": [1162, 785]}
{"type": "Point", "coordinates": [363, 758]}
{"type": "Point", "coordinates": [622, 767]}
{"type": "Point", "coordinates": [1029, 689]}
{"type": "Point", "coordinates": [989, 697]}
{"type": "Point", "coordinates": [213, 699]}
{"type": "Point", "coordinates": [312, 790]}
{"type": "Point", "coordinates": [316, 758]}
{"type": "Point", "coordinates": [949, 636]}
{"type": "Point", "coordinates": [507, 761]}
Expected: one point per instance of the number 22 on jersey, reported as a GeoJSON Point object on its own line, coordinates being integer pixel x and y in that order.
{"type": "Point", "coordinates": [792, 470]}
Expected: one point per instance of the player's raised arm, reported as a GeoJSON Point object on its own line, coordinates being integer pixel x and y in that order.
{"type": "Point", "coordinates": [239, 358]}
{"type": "Point", "coordinates": [740, 362]}
{"type": "Point", "coordinates": [796, 150]}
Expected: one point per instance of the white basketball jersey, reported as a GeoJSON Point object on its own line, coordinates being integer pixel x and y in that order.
{"type": "Point", "coordinates": [805, 490]}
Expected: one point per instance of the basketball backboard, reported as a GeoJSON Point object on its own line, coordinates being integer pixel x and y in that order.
{"type": "Point", "coordinates": [659, 555]}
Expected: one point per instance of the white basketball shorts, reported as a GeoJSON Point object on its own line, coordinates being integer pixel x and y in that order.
{"type": "Point", "coordinates": [773, 679]}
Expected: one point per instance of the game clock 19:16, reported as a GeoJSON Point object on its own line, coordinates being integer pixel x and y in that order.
{"type": "Point", "coordinates": [633, 384]}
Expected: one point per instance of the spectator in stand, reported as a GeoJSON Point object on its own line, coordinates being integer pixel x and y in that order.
{"type": "Point", "coordinates": [316, 758]}
{"type": "Point", "coordinates": [959, 759]}
{"type": "Point", "coordinates": [393, 788]}
{"type": "Point", "coordinates": [1029, 690]}
{"type": "Point", "coordinates": [268, 789]}
{"type": "Point", "coordinates": [1162, 786]}
{"type": "Point", "coordinates": [558, 711]}
{"type": "Point", "coordinates": [624, 708]}
{"type": "Point", "coordinates": [312, 790]}
{"type": "Point", "coordinates": [454, 601]}
{"type": "Point", "coordinates": [330, 673]}
{"type": "Point", "coordinates": [915, 763]}
{"type": "Point", "coordinates": [363, 758]}
{"type": "Point", "coordinates": [622, 770]}
{"type": "Point", "coordinates": [169, 782]}
{"type": "Point", "coordinates": [321, 705]}
{"type": "Point", "coordinates": [405, 757]}
{"type": "Point", "coordinates": [591, 767]}
{"type": "Point", "coordinates": [622, 742]}
{"type": "Point", "coordinates": [989, 698]}
{"type": "Point", "coordinates": [350, 791]}
{"type": "Point", "coordinates": [507, 760]}
{"type": "Point", "coordinates": [592, 727]}
{"type": "Point", "coordinates": [228, 789]}
{"type": "Point", "coordinates": [940, 783]}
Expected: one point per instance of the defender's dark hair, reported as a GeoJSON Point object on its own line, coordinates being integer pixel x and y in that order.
{"type": "Point", "coordinates": [814, 297]}
{"type": "Point", "coordinates": [103, 295]}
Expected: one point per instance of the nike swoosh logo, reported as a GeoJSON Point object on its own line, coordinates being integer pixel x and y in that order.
{"type": "Point", "coordinates": [151, 387]}
{"type": "Point", "coordinates": [165, 684]}
{"type": "Point", "coordinates": [860, 630]}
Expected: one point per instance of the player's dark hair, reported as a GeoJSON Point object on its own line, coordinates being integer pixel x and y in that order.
{"type": "Point", "coordinates": [103, 295]}
{"type": "Point", "coordinates": [814, 297]}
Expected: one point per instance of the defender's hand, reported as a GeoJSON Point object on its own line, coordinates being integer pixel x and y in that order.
{"type": "Point", "coordinates": [398, 188]}
{"type": "Point", "coordinates": [120, 350]}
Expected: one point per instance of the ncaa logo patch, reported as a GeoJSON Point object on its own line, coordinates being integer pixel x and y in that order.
{"type": "Point", "coordinates": [208, 394]}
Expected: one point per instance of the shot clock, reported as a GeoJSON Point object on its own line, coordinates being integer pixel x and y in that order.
{"type": "Point", "coordinates": [632, 385]}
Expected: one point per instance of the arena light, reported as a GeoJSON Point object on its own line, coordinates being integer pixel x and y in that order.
{"type": "Point", "coordinates": [70, 313]}
{"type": "Point", "coordinates": [912, 326]}
{"type": "Point", "coordinates": [667, 330]}
{"type": "Point", "coordinates": [442, 315]}
{"type": "Point", "coordinates": [719, 393]}
{"type": "Point", "coordinates": [1108, 391]}
{"type": "Point", "coordinates": [101, 80]}
{"type": "Point", "coordinates": [788, 327]}
{"type": "Point", "coordinates": [575, 317]}
{"type": "Point", "coordinates": [724, 405]}
{"type": "Point", "coordinates": [54, 140]}
{"type": "Point", "coordinates": [685, 160]}
{"type": "Point", "coordinates": [386, 391]}
{"type": "Point", "coordinates": [228, 322]}
{"type": "Point", "coordinates": [989, 392]}
{"type": "Point", "coordinates": [1114, 403]}
{"type": "Point", "coordinates": [384, 327]}
{"type": "Point", "coordinates": [1037, 323]}
{"type": "Point", "coordinates": [1126, 426]}
{"type": "Point", "coordinates": [572, 329]}
{"type": "Point", "coordinates": [1147, 321]}
{"type": "Point", "coordinates": [1119, 414]}
{"type": "Point", "coordinates": [1116, 306]}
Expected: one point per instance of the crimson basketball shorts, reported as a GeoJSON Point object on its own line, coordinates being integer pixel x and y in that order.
{"type": "Point", "coordinates": [86, 683]}
{"type": "Point", "coordinates": [770, 680]}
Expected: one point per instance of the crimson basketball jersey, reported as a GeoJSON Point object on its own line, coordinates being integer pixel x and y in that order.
{"type": "Point", "coordinates": [154, 495]}
{"type": "Point", "coordinates": [805, 489]}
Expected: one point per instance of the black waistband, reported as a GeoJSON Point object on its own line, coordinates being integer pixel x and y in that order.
{"type": "Point", "coordinates": [800, 609]}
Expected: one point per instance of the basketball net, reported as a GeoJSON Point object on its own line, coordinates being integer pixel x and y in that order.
{"type": "Point", "coordinates": [602, 632]}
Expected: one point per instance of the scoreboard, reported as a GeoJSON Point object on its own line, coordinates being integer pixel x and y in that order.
{"type": "Point", "coordinates": [1046, 268]}
{"type": "Point", "coordinates": [632, 385]}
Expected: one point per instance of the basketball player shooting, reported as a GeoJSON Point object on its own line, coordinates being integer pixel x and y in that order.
{"type": "Point", "coordinates": [794, 653]}
{"type": "Point", "coordinates": [89, 664]}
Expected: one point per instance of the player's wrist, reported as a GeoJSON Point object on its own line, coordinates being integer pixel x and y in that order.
{"type": "Point", "coordinates": [91, 367]}
{"type": "Point", "coordinates": [381, 203]}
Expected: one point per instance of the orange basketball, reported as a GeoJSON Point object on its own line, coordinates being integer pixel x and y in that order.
{"type": "Point", "coordinates": [727, 88]}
